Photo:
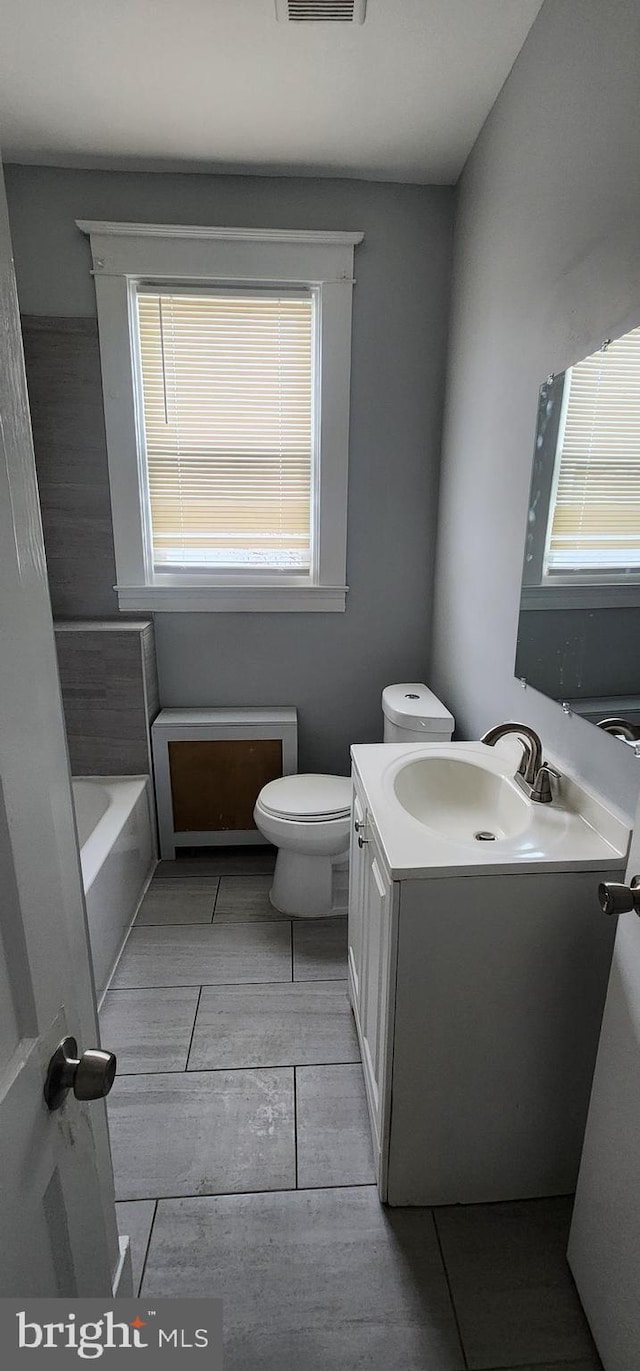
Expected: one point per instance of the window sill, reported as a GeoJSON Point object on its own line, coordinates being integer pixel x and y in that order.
{"type": "Point", "coordinates": [581, 596]}
{"type": "Point", "coordinates": [231, 599]}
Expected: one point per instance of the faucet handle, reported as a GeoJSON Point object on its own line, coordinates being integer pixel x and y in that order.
{"type": "Point", "coordinates": [542, 792]}
{"type": "Point", "coordinates": [526, 767]}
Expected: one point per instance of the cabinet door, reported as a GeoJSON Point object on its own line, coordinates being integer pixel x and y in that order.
{"type": "Point", "coordinates": [374, 987]}
{"type": "Point", "coordinates": [357, 864]}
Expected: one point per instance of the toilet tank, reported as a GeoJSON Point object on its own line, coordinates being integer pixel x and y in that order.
{"type": "Point", "coordinates": [413, 714]}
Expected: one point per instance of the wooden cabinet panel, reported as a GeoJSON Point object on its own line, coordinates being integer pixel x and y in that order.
{"type": "Point", "coordinates": [215, 783]}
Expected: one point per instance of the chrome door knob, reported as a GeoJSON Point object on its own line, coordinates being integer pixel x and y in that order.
{"type": "Point", "coordinates": [620, 899]}
{"type": "Point", "coordinates": [90, 1076]}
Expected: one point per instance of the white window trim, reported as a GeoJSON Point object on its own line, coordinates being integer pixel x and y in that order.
{"type": "Point", "coordinates": [124, 255]}
{"type": "Point", "coordinates": [581, 587]}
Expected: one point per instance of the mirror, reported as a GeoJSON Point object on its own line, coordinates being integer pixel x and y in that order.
{"type": "Point", "coordinates": [579, 624]}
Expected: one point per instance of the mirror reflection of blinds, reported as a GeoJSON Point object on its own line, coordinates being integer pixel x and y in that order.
{"type": "Point", "coordinates": [227, 388]}
{"type": "Point", "coordinates": [596, 516]}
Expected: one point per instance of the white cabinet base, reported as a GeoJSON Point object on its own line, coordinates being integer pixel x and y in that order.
{"type": "Point", "coordinates": [501, 984]}
{"type": "Point", "coordinates": [478, 1003]}
{"type": "Point", "coordinates": [205, 801]}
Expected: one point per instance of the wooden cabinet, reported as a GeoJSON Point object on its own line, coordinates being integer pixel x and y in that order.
{"type": "Point", "coordinates": [209, 768]}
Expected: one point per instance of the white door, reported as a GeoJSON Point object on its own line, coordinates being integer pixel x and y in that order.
{"type": "Point", "coordinates": [604, 1246]}
{"type": "Point", "coordinates": [57, 1218]}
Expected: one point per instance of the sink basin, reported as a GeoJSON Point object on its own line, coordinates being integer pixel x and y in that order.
{"type": "Point", "coordinates": [441, 809]}
{"type": "Point", "coordinates": [462, 801]}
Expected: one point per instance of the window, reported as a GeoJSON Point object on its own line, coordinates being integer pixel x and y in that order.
{"type": "Point", "coordinates": [226, 364]}
{"type": "Point", "coordinates": [228, 408]}
{"type": "Point", "coordinates": [593, 528]}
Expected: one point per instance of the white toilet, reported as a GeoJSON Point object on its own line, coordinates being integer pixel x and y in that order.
{"type": "Point", "coordinates": [308, 817]}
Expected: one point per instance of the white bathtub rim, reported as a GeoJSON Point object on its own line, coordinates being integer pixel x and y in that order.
{"type": "Point", "coordinates": [123, 793]}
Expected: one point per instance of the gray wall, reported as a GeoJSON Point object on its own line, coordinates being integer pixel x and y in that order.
{"type": "Point", "coordinates": [333, 666]}
{"type": "Point", "coordinates": [547, 263]}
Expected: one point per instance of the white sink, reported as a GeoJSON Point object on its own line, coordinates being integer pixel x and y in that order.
{"type": "Point", "coordinates": [462, 800]}
{"type": "Point", "coordinates": [441, 808]}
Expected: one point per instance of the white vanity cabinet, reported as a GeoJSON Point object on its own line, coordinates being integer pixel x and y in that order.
{"type": "Point", "coordinates": [373, 899]}
{"type": "Point", "coordinates": [478, 1000]}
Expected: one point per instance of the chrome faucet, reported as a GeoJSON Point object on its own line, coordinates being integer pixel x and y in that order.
{"type": "Point", "coordinates": [533, 774]}
{"type": "Point", "coordinates": [621, 728]}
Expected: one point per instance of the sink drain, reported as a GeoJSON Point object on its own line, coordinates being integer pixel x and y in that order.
{"type": "Point", "coordinates": [484, 836]}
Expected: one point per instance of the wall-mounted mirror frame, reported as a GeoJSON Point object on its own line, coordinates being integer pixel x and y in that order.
{"type": "Point", "coordinates": [579, 624]}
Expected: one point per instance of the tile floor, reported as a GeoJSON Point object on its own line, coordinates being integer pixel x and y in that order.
{"type": "Point", "coordinates": [243, 1159]}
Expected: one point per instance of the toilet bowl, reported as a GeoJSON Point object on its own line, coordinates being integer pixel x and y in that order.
{"type": "Point", "coordinates": [307, 817]}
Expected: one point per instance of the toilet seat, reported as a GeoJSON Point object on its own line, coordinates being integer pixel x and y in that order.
{"type": "Point", "coordinates": [307, 799]}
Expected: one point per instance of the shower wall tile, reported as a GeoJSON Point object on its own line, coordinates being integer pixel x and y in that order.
{"type": "Point", "coordinates": [107, 669]}
{"type": "Point", "coordinates": [109, 694]}
{"type": "Point", "coordinates": [62, 362]}
{"type": "Point", "coordinates": [150, 672]}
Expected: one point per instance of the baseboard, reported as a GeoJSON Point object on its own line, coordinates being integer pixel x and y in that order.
{"type": "Point", "coordinates": [123, 1279]}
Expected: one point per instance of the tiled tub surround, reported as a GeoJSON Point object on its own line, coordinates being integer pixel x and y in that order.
{"type": "Point", "coordinates": [243, 1158]}
{"type": "Point", "coordinates": [117, 853]}
{"type": "Point", "coordinates": [109, 695]}
{"type": "Point", "coordinates": [62, 360]}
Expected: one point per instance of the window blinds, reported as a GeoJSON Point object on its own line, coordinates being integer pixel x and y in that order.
{"type": "Point", "coordinates": [595, 524]}
{"type": "Point", "coordinates": [227, 389]}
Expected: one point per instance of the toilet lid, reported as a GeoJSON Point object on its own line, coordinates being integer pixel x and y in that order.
{"type": "Point", "coordinates": [308, 797]}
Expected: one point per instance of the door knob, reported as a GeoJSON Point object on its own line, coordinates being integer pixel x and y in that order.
{"type": "Point", "coordinates": [90, 1076]}
{"type": "Point", "coordinates": [619, 899]}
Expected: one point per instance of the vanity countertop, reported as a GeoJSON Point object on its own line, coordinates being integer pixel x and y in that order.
{"type": "Point", "coordinates": [578, 831]}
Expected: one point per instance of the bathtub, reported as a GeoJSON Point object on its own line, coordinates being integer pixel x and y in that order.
{"type": "Point", "coordinates": [117, 855]}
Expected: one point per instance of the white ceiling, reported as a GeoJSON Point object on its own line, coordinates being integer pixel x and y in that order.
{"type": "Point", "coordinates": [220, 85]}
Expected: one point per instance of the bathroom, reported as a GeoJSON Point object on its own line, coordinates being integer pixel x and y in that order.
{"type": "Point", "coordinates": [480, 271]}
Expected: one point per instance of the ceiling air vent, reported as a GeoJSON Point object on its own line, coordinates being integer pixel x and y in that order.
{"type": "Point", "coordinates": [321, 11]}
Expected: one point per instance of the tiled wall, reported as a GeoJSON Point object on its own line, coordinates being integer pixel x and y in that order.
{"type": "Point", "coordinates": [109, 694]}
{"type": "Point", "coordinates": [65, 395]}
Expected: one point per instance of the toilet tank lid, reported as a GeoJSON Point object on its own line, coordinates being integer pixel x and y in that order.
{"type": "Point", "coordinates": [411, 703]}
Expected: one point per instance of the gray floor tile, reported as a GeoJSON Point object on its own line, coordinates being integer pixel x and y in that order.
{"type": "Point", "coordinates": [511, 1285]}
{"type": "Point", "coordinates": [134, 1219]}
{"type": "Point", "coordinates": [273, 1025]}
{"type": "Point", "coordinates": [149, 1030]}
{"type": "Point", "coordinates": [333, 1132]}
{"type": "Point", "coordinates": [205, 955]}
{"type": "Point", "coordinates": [189, 900]}
{"type": "Point", "coordinates": [592, 1364]}
{"type": "Point", "coordinates": [320, 949]}
{"type": "Point", "coordinates": [245, 898]}
{"type": "Point", "coordinates": [202, 1133]}
{"type": "Point", "coordinates": [220, 861]}
{"type": "Point", "coordinates": [321, 1280]}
